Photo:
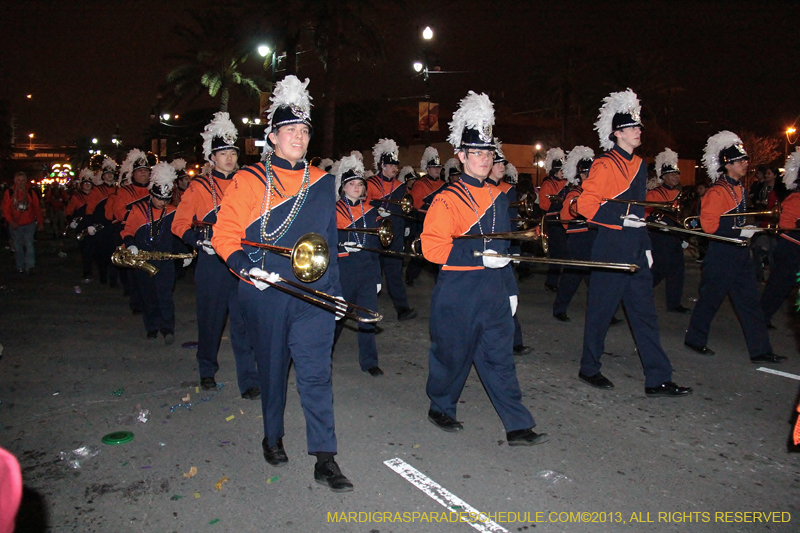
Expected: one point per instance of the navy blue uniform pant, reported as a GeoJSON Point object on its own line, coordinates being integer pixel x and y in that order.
{"type": "Point", "coordinates": [579, 248]}
{"type": "Point", "coordinates": [482, 336]}
{"type": "Point", "coordinates": [782, 277]}
{"type": "Point", "coordinates": [284, 329]}
{"type": "Point", "coordinates": [88, 249]}
{"type": "Point", "coordinates": [557, 242]}
{"type": "Point", "coordinates": [728, 269]}
{"type": "Point", "coordinates": [392, 268]}
{"type": "Point", "coordinates": [359, 287]}
{"type": "Point", "coordinates": [217, 298]}
{"type": "Point", "coordinates": [158, 312]}
{"type": "Point", "coordinates": [668, 264]}
{"type": "Point", "coordinates": [606, 290]}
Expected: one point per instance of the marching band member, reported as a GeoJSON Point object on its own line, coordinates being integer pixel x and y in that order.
{"type": "Point", "coordinates": [551, 199]}
{"type": "Point", "coordinates": [727, 268]}
{"type": "Point", "coordinates": [451, 170]}
{"type": "Point", "coordinates": [276, 202]}
{"type": "Point", "coordinates": [79, 221]}
{"type": "Point", "coordinates": [621, 238]}
{"type": "Point", "coordinates": [423, 191]}
{"type": "Point", "coordinates": [359, 270]}
{"type": "Point", "coordinates": [580, 237]}
{"type": "Point", "coordinates": [381, 187]}
{"type": "Point", "coordinates": [100, 227]}
{"type": "Point", "coordinates": [783, 275]}
{"type": "Point", "coordinates": [496, 175]}
{"type": "Point", "coordinates": [216, 288]}
{"type": "Point", "coordinates": [480, 290]}
{"type": "Point", "coordinates": [182, 180]}
{"type": "Point", "coordinates": [148, 227]}
{"type": "Point", "coordinates": [668, 260]}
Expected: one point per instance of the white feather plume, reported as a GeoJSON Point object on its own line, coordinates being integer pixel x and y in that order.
{"type": "Point", "coordinates": [384, 146]}
{"type": "Point", "coordinates": [86, 174]}
{"type": "Point", "coordinates": [405, 171]}
{"type": "Point", "coordinates": [206, 170]}
{"type": "Point", "coordinates": [511, 174]}
{"type": "Point", "coordinates": [429, 153]}
{"type": "Point", "coordinates": [325, 164]}
{"type": "Point", "coordinates": [178, 164]}
{"type": "Point", "coordinates": [345, 164]}
{"type": "Point", "coordinates": [127, 165]}
{"type": "Point", "coordinates": [553, 154]}
{"type": "Point", "coordinates": [164, 176]}
{"type": "Point", "coordinates": [220, 126]}
{"type": "Point", "coordinates": [475, 111]}
{"type": "Point", "coordinates": [575, 156]}
{"type": "Point", "coordinates": [109, 165]}
{"type": "Point", "coordinates": [716, 143]}
{"type": "Point", "coordinates": [450, 164]}
{"type": "Point", "coordinates": [653, 183]}
{"type": "Point", "coordinates": [792, 166]}
{"type": "Point", "coordinates": [358, 154]}
{"type": "Point", "coordinates": [621, 102]}
{"type": "Point", "coordinates": [290, 92]}
{"type": "Point", "coordinates": [667, 157]}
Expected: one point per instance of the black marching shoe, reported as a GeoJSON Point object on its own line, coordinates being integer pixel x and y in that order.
{"type": "Point", "coordinates": [444, 422]}
{"type": "Point", "coordinates": [152, 335]}
{"type": "Point", "coordinates": [522, 350]}
{"type": "Point", "coordinates": [276, 455]}
{"type": "Point", "coordinates": [208, 383]}
{"type": "Point", "coordinates": [253, 393]}
{"type": "Point", "coordinates": [616, 321]}
{"type": "Point", "coordinates": [562, 317]}
{"type": "Point", "coordinates": [669, 389]}
{"type": "Point", "coordinates": [598, 381]}
{"type": "Point", "coordinates": [525, 437]}
{"type": "Point", "coordinates": [375, 371]}
{"type": "Point", "coordinates": [329, 474]}
{"type": "Point", "coordinates": [406, 314]}
{"type": "Point", "coordinates": [768, 358]}
{"type": "Point", "coordinates": [702, 350]}
{"type": "Point", "coordinates": [680, 309]}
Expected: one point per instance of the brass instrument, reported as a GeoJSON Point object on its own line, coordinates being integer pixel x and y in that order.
{"type": "Point", "coordinates": [774, 214]}
{"type": "Point", "coordinates": [673, 207]}
{"type": "Point", "coordinates": [406, 203]}
{"type": "Point", "coordinates": [76, 220]}
{"type": "Point", "coordinates": [385, 231]}
{"type": "Point", "coordinates": [627, 267]}
{"type": "Point", "coordinates": [85, 231]}
{"type": "Point", "coordinates": [557, 198]}
{"type": "Point", "coordinates": [537, 234]}
{"type": "Point", "coordinates": [204, 226]}
{"type": "Point", "coordinates": [698, 233]}
{"type": "Point", "coordinates": [525, 206]}
{"type": "Point", "coordinates": [122, 257]}
{"type": "Point", "coordinates": [327, 302]}
{"type": "Point", "coordinates": [384, 252]}
{"type": "Point", "coordinates": [309, 255]}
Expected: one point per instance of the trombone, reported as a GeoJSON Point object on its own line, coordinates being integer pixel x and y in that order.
{"type": "Point", "coordinates": [525, 206]}
{"type": "Point", "coordinates": [536, 234]}
{"type": "Point", "coordinates": [627, 267]}
{"type": "Point", "coordinates": [203, 226]}
{"type": "Point", "coordinates": [673, 207]}
{"type": "Point", "coordinates": [384, 252]}
{"type": "Point", "coordinates": [309, 255]}
{"type": "Point", "coordinates": [774, 214]}
{"type": "Point", "coordinates": [385, 231]}
{"type": "Point", "coordinates": [85, 232]}
{"type": "Point", "coordinates": [406, 203]}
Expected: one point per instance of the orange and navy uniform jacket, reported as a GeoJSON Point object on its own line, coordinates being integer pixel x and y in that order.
{"type": "Point", "coordinates": [725, 196]}
{"type": "Point", "coordinates": [197, 204]}
{"type": "Point", "coordinates": [118, 208]}
{"type": "Point", "coordinates": [56, 200]}
{"type": "Point", "coordinates": [364, 265]}
{"type": "Point", "coordinates": [662, 193]}
{"type": "Point", "coordinates": [150, 229]}
{"type": "Point", "coordinates": [790, 214]}
{"type": "Point", "coordinates": [510, 193]}
{"type": "Point", "coordinates": [468, 206]}
{"type": "Point", "coordinates": [32, 213]}
{"type": "Point", "coordinates": [76, 208]}
{"type": "Point", "coordinates": [96, 203]}
{"type": "Point", "coordinates": [381, 189]}
{"type": "Point", "coordinates": [424, 190]}
{"type": "Point", "coordinates": [551, 186]}
{"type": "Point", "coordinates": [572, 192]}
{"type": "Point", "coordinates": [240, 218]}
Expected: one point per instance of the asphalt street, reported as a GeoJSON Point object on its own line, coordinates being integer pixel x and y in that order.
{"type": "Point", "coordinates": [76, 366]}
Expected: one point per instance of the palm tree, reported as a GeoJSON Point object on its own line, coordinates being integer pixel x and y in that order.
{"type": "Point", "coordinates": [213, 61]}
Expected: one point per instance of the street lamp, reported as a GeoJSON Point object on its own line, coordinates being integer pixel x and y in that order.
{"type": "Point", "coordinates": [165, 116]}
{"type": "Point", "coordinates": [536, 161]}
{"type": "Point", "coordinates": [790, 132]}
{"type": "Point", "coordinates": [30, 136]}
{"type": "Point", "coordinates": [94, 140]}
{"type": "Point", "coordinates": [427, 33]}
{"type": "Point", "coordinates": [418, 66]}
{"type": "Point", "coordinates": [245, 120]}
{"type": "Point", "coordinates": [263, 50]}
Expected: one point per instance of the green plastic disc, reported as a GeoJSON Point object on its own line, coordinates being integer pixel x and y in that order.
{"type": "Point", "coordinates": [118, 437]}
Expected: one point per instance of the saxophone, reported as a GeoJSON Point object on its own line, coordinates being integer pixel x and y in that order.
{"type": "Point", "coordinates": [122, 257]}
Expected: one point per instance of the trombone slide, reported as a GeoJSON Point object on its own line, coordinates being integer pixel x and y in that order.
{"type": "Point", "coordinates": [626, 267]}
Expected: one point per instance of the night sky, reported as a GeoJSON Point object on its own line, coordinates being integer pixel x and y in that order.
{"type": "Point", "coordinates": [91, 65]}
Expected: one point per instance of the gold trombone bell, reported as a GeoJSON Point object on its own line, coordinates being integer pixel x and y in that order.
{"type": "Point", "coordinates": [309, 255]}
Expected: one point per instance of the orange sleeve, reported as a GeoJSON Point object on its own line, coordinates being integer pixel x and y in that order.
{"type": "Point", "coordinates": [133, 222]}
{"type": "Point", "coordinates": [110, 203]}
{"type": "Point", "coordinates": [121, 204]}
{"type": "Point", "coordinates": [187, 210]}
{"type": "Point", "coordinates": [595, 189]}
{"type": "Point", "coordinates": [437, 232]}
{"type": "Point", "coordinates": [790, 212]}
{"type": "Point", "coordinates": [546, 190]}
{"type": "Point", "coordinates": [74, 203]}
{"type": "Point", "coordinates": [565, 214]}
{"type": "Point", "coordinates": [94, 198]}
{"type": "Point", "coordinates": [419, 191]}
{"type": "Point", "coordinates": [342, 220]}
{"type": "Point", "coordinates": [239, 207]}
{"type": "Point", "coordinates": [715, 203]}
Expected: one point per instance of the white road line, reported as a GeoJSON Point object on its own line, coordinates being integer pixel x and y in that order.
{"type": "Point", "coordinates": [779, 373]}
{"type": "Point", "coordinates": [448, 500]}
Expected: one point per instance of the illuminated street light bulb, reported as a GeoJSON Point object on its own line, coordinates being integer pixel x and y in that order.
{"type": "Point", "coordinates": [245, 120]}
{"type": "Point", "coordinates": [538, 146]}
{"type": "Point", "coordinates": [30, 135]}
{"type": "Point", "coordinates": [263, 50]}
{"type": "Point", "coordinates": [28, 96]}
{"type": "Point", "coordinates": [791, 130]}
{"type": "Point", "coordinates": [427, 33]}
{"type": "Point", "coordinates": [94, 140]}
{"type": "Point", "coordinates": [418, 66]}
{"type": "Point", "coordinates": [165, 116]}
{"type": "Point", "coordinates": [257, 120]}
{"type": "Point", "coordinates": [540, 163]}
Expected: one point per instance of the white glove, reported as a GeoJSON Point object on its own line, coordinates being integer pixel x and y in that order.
{"type": "Point", "coordinates": [187, 262]}
{"type": "Point", "coordinates": [494, 262]}
{"type": "Point", "coordinates": [134, 250]}
{"type": "Point", "coordinates": [384, 213]}
{"type": "Point", "coordinates": [268, 276]}
{"type": "Point", "coordinates": [341, 307]}
{"type": "Point", "coordinates": [90, 230]}
{"type": "Point", "coordinates": [684, 245]}
{"type": "Point", "coordinates": [747, 232]}
{"type": "Point", "coordinates": [207, 247]}
{"type": "Point", "coordinates": [516, 262]}
{"type": "Point", "coordinates": [407, 232]}
{"type": "Point", "coordinates": [73, 224]}
{"type": "Point", "coordinates": [379, 288]}
{"type": "Point", "coordinates": [351, 247]}
{"type": "Point", "coordinates": [514, 301]}
{"type": "Point", "coordinates": [632, 221]}
{"type": "Point", "coordinates": [649, 255]}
